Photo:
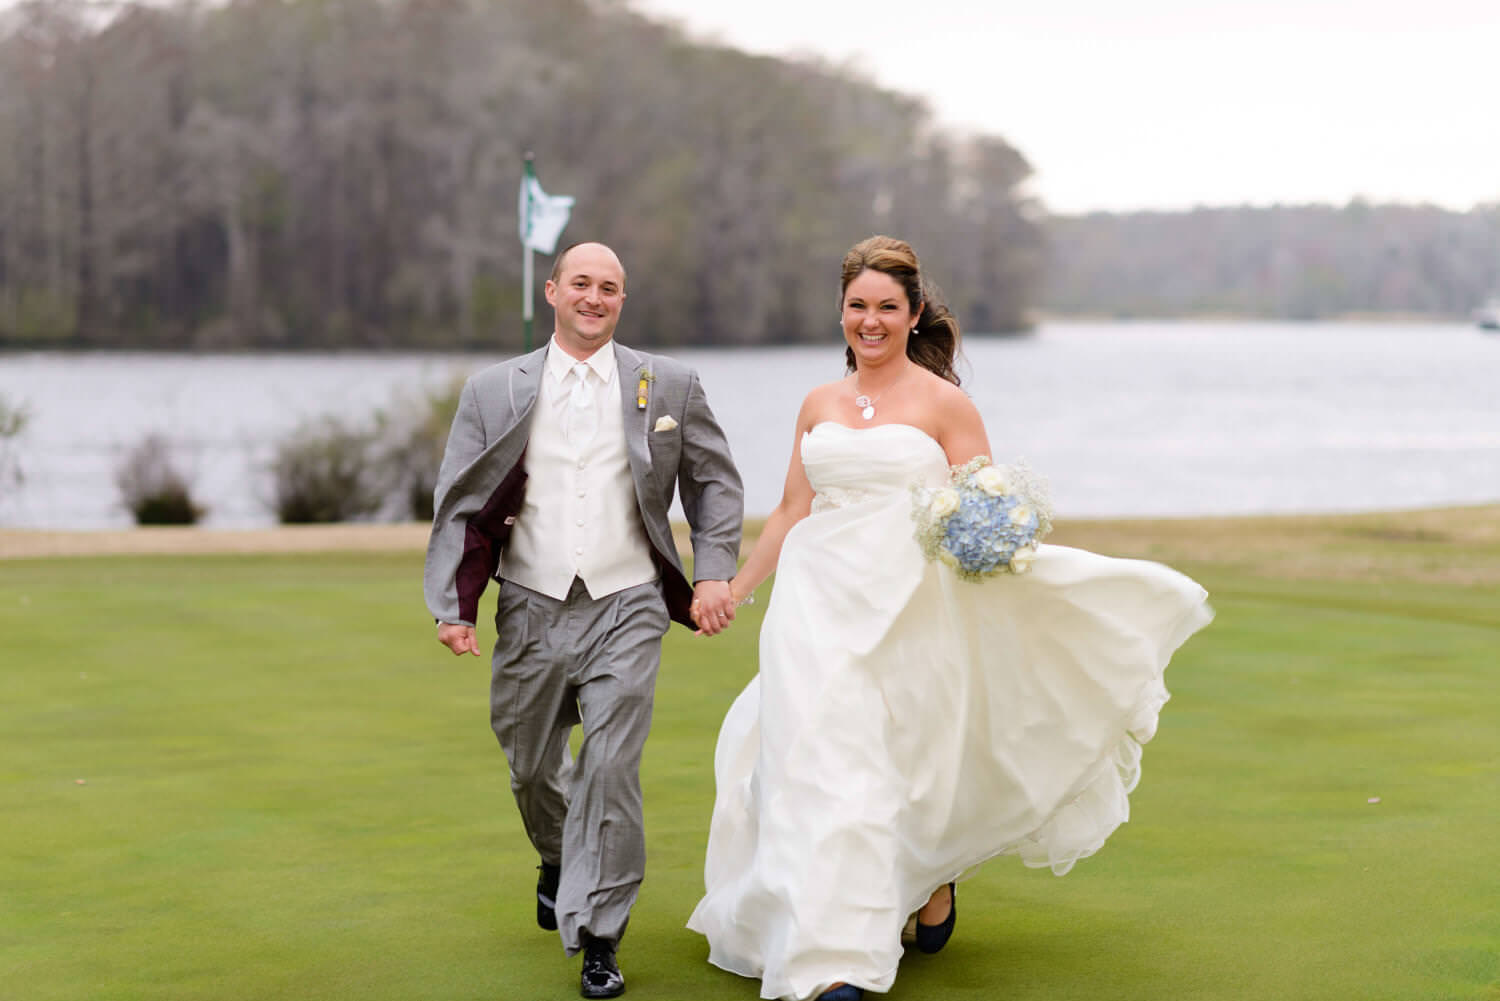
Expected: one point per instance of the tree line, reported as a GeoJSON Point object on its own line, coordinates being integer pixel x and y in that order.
{"type": "Point", "coordinates": [1301, 262]}
{"type": "Point", "coordinates": [284, 174]}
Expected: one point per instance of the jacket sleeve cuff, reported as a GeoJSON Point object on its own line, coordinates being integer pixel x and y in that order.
{"type": "Point", "coordinates": [715, 566]}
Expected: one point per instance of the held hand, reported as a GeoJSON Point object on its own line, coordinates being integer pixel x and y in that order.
{"type": "Point", "coordinates": [459, 639]}
{"type": "Point", "coordinates": [713, 607]}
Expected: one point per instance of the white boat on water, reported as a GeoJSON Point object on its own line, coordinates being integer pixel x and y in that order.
{"type": "Point", "coordinates": [1488, 315]}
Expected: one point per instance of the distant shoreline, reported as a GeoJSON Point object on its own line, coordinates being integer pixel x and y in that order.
{"type": "Point", "coordinates": [186, 540]}
{"type": "Point", "coordinates": [1185, 537]}
{"type": "Point", "coordinates": [1392, 319]}
{"type": "Point", "coordinates": [1038, 319]}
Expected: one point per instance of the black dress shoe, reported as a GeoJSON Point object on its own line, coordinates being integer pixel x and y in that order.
{"type": "Point", "coordinates": [932, 938]}
{"type": "Point", "coordinates": [601, 976]}
{"type": "Point", "coordinates": [843, 992]}
{"type": "Point", "coordinates": [546, 895]}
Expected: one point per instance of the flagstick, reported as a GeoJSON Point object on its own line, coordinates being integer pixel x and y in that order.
{"type": "Point", "coordinates": [528, 278]}
{"type": "Point", "coordinates": [536, 207]}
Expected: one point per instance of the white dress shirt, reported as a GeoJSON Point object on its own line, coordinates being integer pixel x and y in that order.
{"type": "Point", "coordinates": [580, 517]}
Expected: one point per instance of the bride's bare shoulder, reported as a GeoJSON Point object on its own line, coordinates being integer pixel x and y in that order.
{"type": "Point", "coordinates": [828, 391]}
{"type": "Point", "coordinates": [945, 394]}
{"type": "Point", "coordinates": [821, 403]}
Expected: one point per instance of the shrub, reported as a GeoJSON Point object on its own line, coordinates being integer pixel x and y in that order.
{"type": "Point", "coordinates": [412, 439]}
{"type": "Point", "coordinates": [153, 489]}
{"type": "Point", "coordinates": [13, 421]}
{"type": "Point", "coordinates": [325, 472]}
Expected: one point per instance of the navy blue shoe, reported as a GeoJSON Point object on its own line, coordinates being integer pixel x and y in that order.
{"type": "Point", "coordinates": [932, 938]}
{"type": "Point", "coordinates": [844, 992]}
{"type": "Point", "coordinates": [546, 896]}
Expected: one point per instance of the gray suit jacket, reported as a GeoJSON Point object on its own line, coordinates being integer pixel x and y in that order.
{"type": "Point", "coordinates": [483, 480]}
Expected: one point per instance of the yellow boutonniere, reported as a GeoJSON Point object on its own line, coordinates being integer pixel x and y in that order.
{"type": "Point", "coordinates": [641, 391]}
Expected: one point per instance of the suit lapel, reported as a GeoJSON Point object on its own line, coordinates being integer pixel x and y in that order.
{"type": "Point", "coordinates": [629, 365]}
{"type": "Point", "coordinates": [526, 385]}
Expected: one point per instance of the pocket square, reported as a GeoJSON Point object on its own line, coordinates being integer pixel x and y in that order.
{"type": "Point", "coordinates": [665, 423]}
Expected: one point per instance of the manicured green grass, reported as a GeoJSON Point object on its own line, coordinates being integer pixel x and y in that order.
{"type": "Point", "coordinates": [260, 777]}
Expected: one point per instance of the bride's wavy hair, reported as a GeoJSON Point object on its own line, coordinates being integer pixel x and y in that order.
{"type": "Point", "coordinates": [934, 344]}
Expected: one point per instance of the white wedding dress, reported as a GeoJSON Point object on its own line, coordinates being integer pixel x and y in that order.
{"type": "Point", "coordinates": [907, 725]}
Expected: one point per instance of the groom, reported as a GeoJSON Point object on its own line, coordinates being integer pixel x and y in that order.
{"type": "Point", "coordinates": [557, 479]}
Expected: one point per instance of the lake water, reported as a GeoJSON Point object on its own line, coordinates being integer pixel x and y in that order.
{"type": "Point", "coordinates": [1124, 419]}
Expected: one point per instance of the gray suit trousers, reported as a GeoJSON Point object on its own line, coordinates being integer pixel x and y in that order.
{"type": "Point", "coordinates": [557, 663]}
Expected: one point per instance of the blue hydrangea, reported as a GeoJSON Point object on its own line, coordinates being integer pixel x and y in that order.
{"type": "Point", "coordinates": [976, 531]}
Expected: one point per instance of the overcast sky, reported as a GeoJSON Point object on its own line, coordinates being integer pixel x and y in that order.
{"type": "Point", "coordinates": [1132, 104]}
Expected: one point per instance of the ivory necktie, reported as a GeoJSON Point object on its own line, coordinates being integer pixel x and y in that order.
{"type": "Point", "coordinates": [583, 415]}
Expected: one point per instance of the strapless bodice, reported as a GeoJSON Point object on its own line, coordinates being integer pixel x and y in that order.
{"type": "Point", "coordinates": [848, 465]}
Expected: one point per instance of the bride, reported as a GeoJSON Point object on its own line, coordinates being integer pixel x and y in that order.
{"type": "Point", "coordinates": [906, 724]}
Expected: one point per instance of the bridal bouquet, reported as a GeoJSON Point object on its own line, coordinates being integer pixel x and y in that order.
{"type": "Point", "coordinates": [986, 520]}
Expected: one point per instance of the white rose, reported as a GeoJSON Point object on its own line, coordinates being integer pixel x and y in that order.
{"type": "Point", "coordinates": [992, 480]}
{"type": "Point", "coordinates": [1020, 560]}
{"type": "Point", "coordinates": [944, 502]}
{"type": "Point", "coordinates": [1020, 514]}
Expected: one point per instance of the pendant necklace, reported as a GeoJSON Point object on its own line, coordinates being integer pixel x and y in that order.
{"type": "Point", "coordinates": [867, 403]}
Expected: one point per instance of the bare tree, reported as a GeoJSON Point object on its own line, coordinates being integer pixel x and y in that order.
{"type": "Point", "coordinates": [327, 173]}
